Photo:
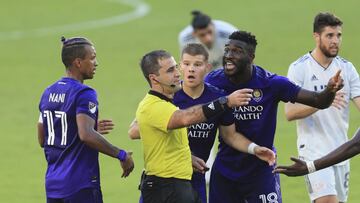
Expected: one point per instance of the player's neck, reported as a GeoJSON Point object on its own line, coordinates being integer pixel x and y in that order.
{"type": "Point", "coordinates": [194, 92]}
{"type": "Point", "coordinates": [321, 59]}
{"type": "Point", "coordinates": [74, 76]}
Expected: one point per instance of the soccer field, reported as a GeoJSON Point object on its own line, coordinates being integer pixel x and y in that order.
{"type": "Point", "coordinates": [123, 30]}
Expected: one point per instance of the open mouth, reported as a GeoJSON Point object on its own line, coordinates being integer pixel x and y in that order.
{"type": "Point", "coordinates": [229, 65]}
{"type": "Point", "coordinates": [191, 77]}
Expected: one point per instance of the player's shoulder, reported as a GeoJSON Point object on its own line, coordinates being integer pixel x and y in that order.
{"type": "Point", "coordinates": [214, 90]}
{"type": "Point", "coordinates": [263, 73]}
{"type": "Point", "coordinates": [223, 29]}
{"type": "Point", "coordinates": [342, 60]}
{"type": "Point", "coordinates": [219, 72]}
{"type": "Point", "coordinates": [186, 34]}
{"type": "Point", "coordinates": [215, 75]}
{"type": "Point", "coordinates": [301, 61]}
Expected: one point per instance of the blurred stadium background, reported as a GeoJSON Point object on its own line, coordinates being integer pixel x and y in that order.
{"type": "Point", "coordinates": [122, 32]}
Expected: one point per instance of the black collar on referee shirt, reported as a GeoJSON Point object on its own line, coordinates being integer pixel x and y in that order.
{"type": "Point", "coordinates": [161, 96]}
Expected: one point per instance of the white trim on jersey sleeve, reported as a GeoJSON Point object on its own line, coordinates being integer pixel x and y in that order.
{"type": "Point", "coordinates": [40, 118]}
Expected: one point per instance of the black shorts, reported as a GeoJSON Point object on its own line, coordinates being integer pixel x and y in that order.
{"type": "Point", "coordinates": [87, 195]}
{"type": "Point", "coordinates": [167, 190]}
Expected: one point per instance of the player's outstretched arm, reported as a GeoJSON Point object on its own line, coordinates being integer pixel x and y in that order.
{"type": "Point", "coordinates": [322, 99]}
{"type": "Point", "coordinates": [344, 152]}
{"type": "Point", "coordinates": [96, 141]}
{"type": "Point", "coordinates": [200, 113]}
{"type": "Point", "coordinates": [299, 111]}
{"type": "Point", "coordinates": [134, 132]}
{"type": "Point", "coordinates": [239, 142]}
{"type": "Point", "coordinates": [105, 126]}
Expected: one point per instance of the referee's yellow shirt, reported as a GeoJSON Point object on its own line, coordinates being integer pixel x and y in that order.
{"type": "Point", "coordinates": [166, 152]}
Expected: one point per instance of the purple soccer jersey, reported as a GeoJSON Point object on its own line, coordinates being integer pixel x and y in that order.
{"type": "Point", "coordinates": [257, 121]}
{"type": "Point", "coordinates": [202, 135]}
{"type": "Point", "coordinates": [72, 165]}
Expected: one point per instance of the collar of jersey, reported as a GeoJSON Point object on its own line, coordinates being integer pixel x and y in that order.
{"type": "Point", "coordinates": [161, 96]}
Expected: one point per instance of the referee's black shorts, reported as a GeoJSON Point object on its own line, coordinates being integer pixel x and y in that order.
{"type": "Point", "coordinates": [167, 190]}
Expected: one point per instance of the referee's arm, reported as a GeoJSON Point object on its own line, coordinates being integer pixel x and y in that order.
{"type": "Point", "coordinates": [200, 113]}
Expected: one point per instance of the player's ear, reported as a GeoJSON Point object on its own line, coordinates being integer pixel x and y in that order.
{"type": "Point", "coordinates": [208, 67]}
{"type": "Point", "coordinates": [152, 78]}
{"type": "Point", "coordinates": [316, 37]}
{"type": "Point", "coordinates": [77, 62]}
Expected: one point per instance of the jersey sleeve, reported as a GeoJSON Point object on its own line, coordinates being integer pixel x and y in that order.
{"type": "Point", "coordinates": [296, 75]}
{"type": "Point", "coordinates": [354, 82]}
{"type": "Point", "coordinates": [286, 90]}
{"type": "Point", "coordinates": [160, 113]}
{"type": "Point", "coordinates": [87, 103]}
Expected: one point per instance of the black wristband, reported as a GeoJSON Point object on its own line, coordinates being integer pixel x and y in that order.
{"type": "Point", "coordinates": [213, 108]}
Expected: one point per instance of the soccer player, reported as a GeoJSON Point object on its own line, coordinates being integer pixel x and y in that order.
{"type": "Point", "coordinates": [167, 156]}
{"type": "Point", "coordinates": [342, 153]}
{"type": "Point", "coordinates": [213, 34]}
{"type": "Point", "coordinates": [236, 176]}
{"type": "Point", "coordinates": [321, 131]}
{"type": "Point", "coordinates": [67, 130]}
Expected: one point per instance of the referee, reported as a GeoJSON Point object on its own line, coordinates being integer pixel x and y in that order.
{"type": "Point", "coordinates": [167, 157]}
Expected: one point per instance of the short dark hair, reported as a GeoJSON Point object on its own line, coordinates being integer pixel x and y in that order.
{"type": "Point", "coordinates": [200, 20]}
{"type": "Point", "coordinates": [246, 37]}
{"type": "Point", "coordinates": [194, 49]}
{"type": "Point", "coordinates": [324, 19]}
{"type": "Point", "coordinates": [150, 62]}
{"type": "Point", "coordinates": [73, 48]}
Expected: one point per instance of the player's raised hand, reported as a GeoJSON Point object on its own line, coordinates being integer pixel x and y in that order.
{"type": "Point", "coordinates": [240, 97]}
{"type": "Point", "coordinates": [336, 82]}
{"type": "Point", "coordinates": [127, 165]}
{"type": "Point", "coordinates": [299, 168]}
{"type": "Point", "coordinates": [265, 154]}
{"type": "Point", "coordinates": [105, 126]}
{"type": "Point", "coordinates": [198, 164]}
{"type": "Point", "coordinates": [339, 100]}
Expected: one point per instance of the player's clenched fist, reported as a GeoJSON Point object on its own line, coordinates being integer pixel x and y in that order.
{"type": "Point", "coordinates": [240, 97]}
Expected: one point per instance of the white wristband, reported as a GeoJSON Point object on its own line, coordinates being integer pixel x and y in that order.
{"type": "Point", "coordinates": [251, 148]}
{"type": "Point", "coordinates": [310, 166]}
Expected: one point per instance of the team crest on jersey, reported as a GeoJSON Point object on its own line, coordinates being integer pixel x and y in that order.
{"type": "Point", "coordinates": [257, 95]}
{"type": "Point", "coordinates": [92, 107]}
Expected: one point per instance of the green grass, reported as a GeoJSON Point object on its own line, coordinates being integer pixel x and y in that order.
{"type": "Point", "coordinates": [283, 29]}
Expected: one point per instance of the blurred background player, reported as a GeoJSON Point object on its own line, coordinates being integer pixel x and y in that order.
{"type": "Point", "coordinates": [321, 131]}
{"type": "Point", "coordinates": [213, 34]}
{"type": "Point", "coordinates": [239, 177]}
{"type": "Point", "coordinates": [67, 130]}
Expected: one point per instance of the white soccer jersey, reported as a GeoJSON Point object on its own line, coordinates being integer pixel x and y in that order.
{"type": "Point", "coordinates": [326, 129]}
{"type": "Point", "coordinates": [216, 53]}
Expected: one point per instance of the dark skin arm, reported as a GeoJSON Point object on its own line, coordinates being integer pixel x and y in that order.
{"type": "Point", "coordinates": [322, 99]}
{"type": "Point", "coordinates": [95, 140]}
{"type": "Point", "coordinates": [342, 153]}
{"type": "Point", "coordinates": [195, 114]}
{"type": "Point", "coordinates": [41, 134]}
